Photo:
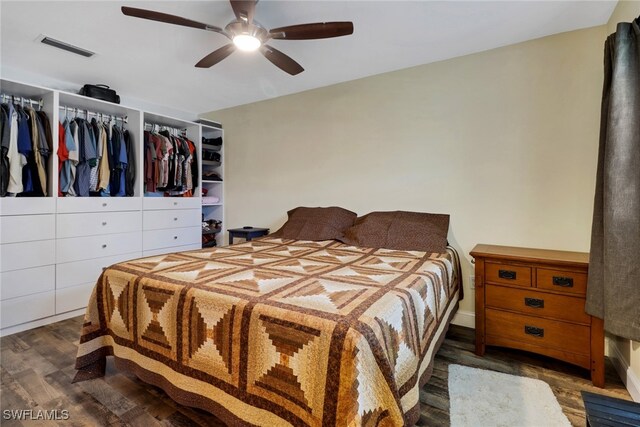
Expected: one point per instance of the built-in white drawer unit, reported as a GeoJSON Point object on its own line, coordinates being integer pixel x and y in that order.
{"type": "Point", "coordinates": [87, 224]}
{"type": "Point", "coordinates": [162, 251]}
{"type": "Point", "coordinates": [173, 218]}
{"type": "Point", "coordinates": [98, 204]}
{"type": "Point", "coordinates": [27, 228]}
{"type": "Point", "coordinates": [15, 311]}
{"type": "Point", "coordinates": [16, 256]}
{"type": "Point", "coordinates": [78, 272]}
{"type": "Point", "coordinates": [151, 203]}
{"type": "Point", "coordinates": [73, 298]}
{"type": "Point", "coordinates": [157, 239]}
{"type": "Point", "coordinates": [18, 283]}
{"type": "Point", "coordinates": [80, 248]}
{"type": "Point", "coordinates": [27, 205]}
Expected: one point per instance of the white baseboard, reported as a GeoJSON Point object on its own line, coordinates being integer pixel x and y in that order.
{"type": "Point", "coordinates": [629, 378]}
{"type": "Point", "coordinates": [40, 322]}
{"type": "Point", "coordinates": [465, 318]}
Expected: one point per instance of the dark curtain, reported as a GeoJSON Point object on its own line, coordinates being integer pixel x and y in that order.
{"type": "Point", "coordinates": [613, 291]}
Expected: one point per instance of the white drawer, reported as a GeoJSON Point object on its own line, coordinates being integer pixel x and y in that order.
{"type": "Point", "coordinates": [98, 204]}
{"type": "Point", "coordinates": [73, 298]}
{"type": "Point", "coordinates": [174, 218]}
{"type": "Point", "coordinates": [151, 203]}
{"type": "Point", "coordinates": [79, 248]}
{"type": "Point", "coordinates": [78, 272]}
{"type": "Point", "coordinates": [16, 256]}
{"type": "Point", "coordinates": [25, 309]}
{"type": "Point", "coordinates": [157, 239]}
{"type": "Point", "coordinates": [27, 228]}
{"type": "Point", "coordinates": [18, 283]}
{"type": "Point", "coordinates": [27, 205]}
{"type": "Point", "coordinates": [162, 251]}
{"type": "Point", "coordinates": [87, 224]}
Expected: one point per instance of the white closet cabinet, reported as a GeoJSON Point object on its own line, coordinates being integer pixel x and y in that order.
{"type": "Point", "coordinates": [53, 249]}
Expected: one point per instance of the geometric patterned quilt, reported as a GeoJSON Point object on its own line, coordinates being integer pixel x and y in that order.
{"type": "Point", "coordinates": [277, 332]}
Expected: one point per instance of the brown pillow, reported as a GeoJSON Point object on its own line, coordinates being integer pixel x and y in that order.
{"type": "Point", "coordinates": [407, 231]}
{"type": "Point", "coordinates": [316, 223]}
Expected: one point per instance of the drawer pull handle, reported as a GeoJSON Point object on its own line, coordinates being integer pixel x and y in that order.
{"type": "Point", "coordinates": [532, 330]}
{"type": "Point", "coordinates": [104, 205]}
{"type": "Point", "coordinates": [565, 282]}
{"type": "Point", "coordinates": [104, 246]}
{"type": "Point", "coordinates": [175, 219]}
{"type": "Point", "coordinates": [175, 237]}
{"type": "Point", "coordinates": [534, 302]}
{"type": "Point", "coordinates": [104, 222]}
{"type": "Point", "coordinates": [507, 274]}
{"type": "Point", "coordinates": [175, 203]}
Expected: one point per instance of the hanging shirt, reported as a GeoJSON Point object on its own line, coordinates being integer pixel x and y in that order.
{"type": "Point", "coordinates": [64, 170]}
{"type": "Point", "coordinates": [16, 160]}
{"type": "Point", "coordinates": [103, 164]}
{"type": "Point", "coordinates": [71, 141]}
{"type": "Point", "coordinates": [24, 148]}
{"type": "Point", "coordinates": [5, 130]}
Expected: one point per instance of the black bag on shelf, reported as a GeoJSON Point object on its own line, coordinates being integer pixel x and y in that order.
{"type": "Point", "coordinates": [102, 92]}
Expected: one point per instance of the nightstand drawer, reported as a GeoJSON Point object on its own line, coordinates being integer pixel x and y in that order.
{"type": "Point", "coordinates": [537, 331]}
{"type": "Point", "coordinates": [528, 301]}
{"type": "Point", "coordinates": [562, 281]}
{"type": "Point", "coordinates": [507, 274]}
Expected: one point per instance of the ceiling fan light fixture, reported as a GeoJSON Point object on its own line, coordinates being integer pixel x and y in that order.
{"type": "Point", "coordinates": [246, 42]}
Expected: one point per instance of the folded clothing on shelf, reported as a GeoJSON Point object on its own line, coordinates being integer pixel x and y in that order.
{"type": "Point", "coordinates": [210, 155]}
{"type": "Point", "coordinates": [211, 176]}
{"type": "Point", "coordinates": [212, 141]}
{"type": "Point", "coordinates": [210, 199]}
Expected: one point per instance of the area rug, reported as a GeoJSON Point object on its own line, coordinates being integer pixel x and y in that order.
{"type": "Point", "coordinates": [479, 397]}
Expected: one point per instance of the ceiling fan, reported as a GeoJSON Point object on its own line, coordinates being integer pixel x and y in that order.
{"type": "Point", "coordinates": [248, 35]}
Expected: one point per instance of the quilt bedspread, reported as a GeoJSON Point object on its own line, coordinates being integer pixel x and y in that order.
{"type": "Point", "coordinates": [276, 332]}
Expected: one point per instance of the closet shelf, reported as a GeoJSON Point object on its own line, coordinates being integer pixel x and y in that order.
{"type": "Point", "coordinates": [210, 181]}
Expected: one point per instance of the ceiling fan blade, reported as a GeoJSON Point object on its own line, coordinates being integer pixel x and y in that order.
{"type": "Point", "coordinates": [169, 19]}
{"type": "Point", "coordinates": [281, 60]}
{"type": "Point", "coordinates": [244, 9]}
{"type": "Point", "coordinates": [319, 30]}
{"type": "Point", "coordinates": [216, 56]}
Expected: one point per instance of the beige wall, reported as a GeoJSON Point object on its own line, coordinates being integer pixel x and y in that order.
{"type": "Point", "coordinates": [626, 11]}
{"type": "Point", "coordinates": [505, 141]}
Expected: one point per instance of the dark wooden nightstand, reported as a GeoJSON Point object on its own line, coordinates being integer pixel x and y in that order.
{"type": "Point", "coordinates": [246, 233]}
{"type": "Point", "coordinates": [533, 300]}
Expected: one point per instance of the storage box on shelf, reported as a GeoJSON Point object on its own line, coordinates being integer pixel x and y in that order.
{"type": "Point", "coordinates": [172, 224]}
{"type": "Point", "coordinates": [53, 249]}
{"type": "Point", "coordinates": [213, 185]}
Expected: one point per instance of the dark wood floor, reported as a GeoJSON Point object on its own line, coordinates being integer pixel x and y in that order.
{"type": "Point", "coordinates": [37, 367]}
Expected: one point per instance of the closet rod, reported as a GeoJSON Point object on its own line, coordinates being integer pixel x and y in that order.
{"type": "Point", "coordinates": [88, 113]}
{"type": "Point", "coordinates": [157, 126]}
{"type": "Point", "coordinates": [21, 100]}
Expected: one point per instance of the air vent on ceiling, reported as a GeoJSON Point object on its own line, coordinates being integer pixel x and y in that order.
{"type": "Point", "coordinates": [66, 46]}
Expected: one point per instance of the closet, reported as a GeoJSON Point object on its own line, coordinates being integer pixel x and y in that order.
{"type": "Point", "coordinates": [54, 247]}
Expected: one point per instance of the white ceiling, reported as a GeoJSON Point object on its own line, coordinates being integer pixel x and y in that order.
{"type": "Point", "coordinates": [155, 62]}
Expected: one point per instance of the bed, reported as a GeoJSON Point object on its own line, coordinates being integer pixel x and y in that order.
{"type": "Point", "coordinates": [278, 331]}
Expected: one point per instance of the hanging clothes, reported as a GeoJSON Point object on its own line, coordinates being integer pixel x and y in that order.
{"type": "Point", "coordinates": [25, 147]}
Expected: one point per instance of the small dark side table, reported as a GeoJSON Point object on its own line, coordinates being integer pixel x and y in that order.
{"type": "Point", "coordinates": [608, 411]}
{"type": "Point", "coordinates": [246, 233]}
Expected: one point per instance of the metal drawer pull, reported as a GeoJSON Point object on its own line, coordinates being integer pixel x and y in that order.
{"type": "Point", "coordinates": [532, 330]}
{"type": "Point", "coordinates": [507, 274]}
{"type": "Point", "coordinates": [175, 237]}
{"type": "Point", "coordinates": [104, 205]}
{"type": "Point", "coordinates": [565, 282]}
{"type": "Point", "coordinates": [175, 219]}
{"type": "Point", "coordinates": [534, 302]}
{"type": "Point", "coordinates": [175, 203]}
{"type": "Point", "coordinates": [104, 246]}
{"type": "Point", "coordinates": [104, 222]}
